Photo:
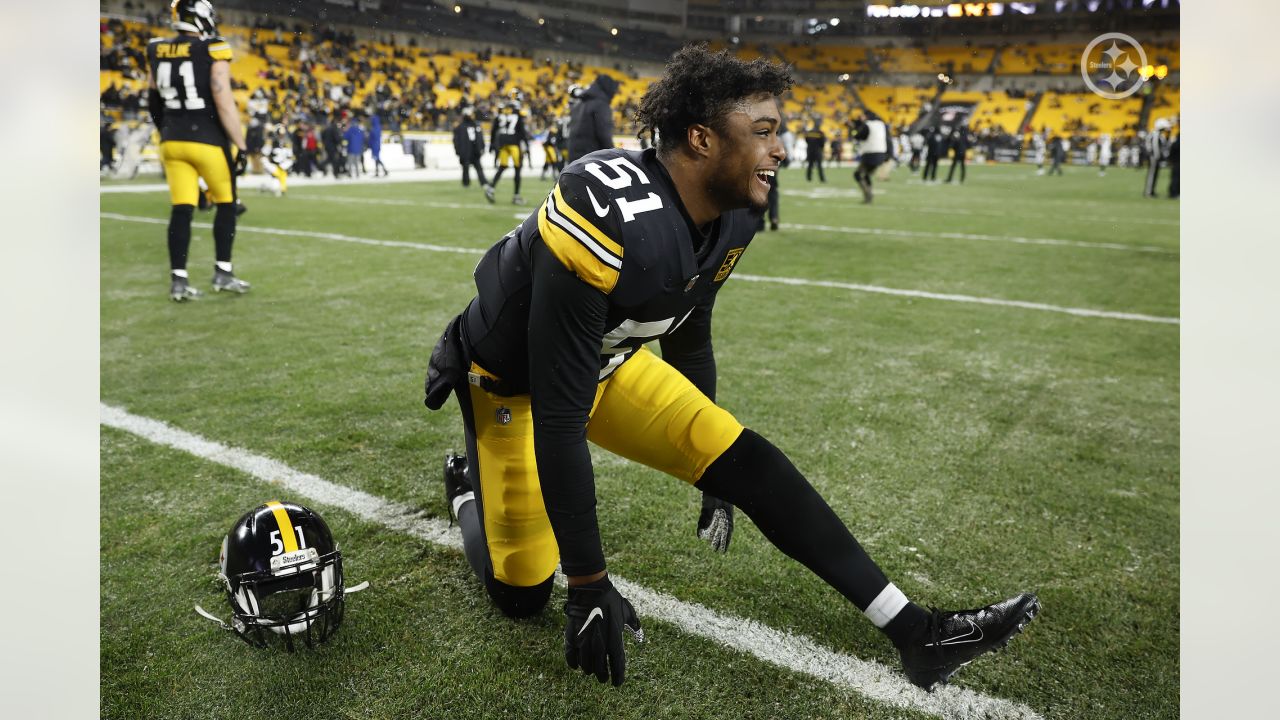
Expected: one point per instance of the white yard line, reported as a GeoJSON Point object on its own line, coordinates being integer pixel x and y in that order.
{"type": "Point", "coordinates": [853, 230]}
{"type": "Point", "coordinates": [795, 653]}
{"type": "Point", "coordinates": [310, 234]}
{"type": "Point", "coordinates": [1079, 312]}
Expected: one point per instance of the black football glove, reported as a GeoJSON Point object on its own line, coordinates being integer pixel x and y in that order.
{"type": "Point", "coordinates": [241, 162]}
{"type": "Point", "coordinates": [595, 615]}
{"type": "Point", "coordinates": [715, 522]}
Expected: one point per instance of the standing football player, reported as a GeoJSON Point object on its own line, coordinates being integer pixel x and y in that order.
{"type": "Point", "coordinates": [505, 140]}
{"type": "Point", "coordinates": [629, 247]}
{"type": "Point", "coordinates": [200, 137]}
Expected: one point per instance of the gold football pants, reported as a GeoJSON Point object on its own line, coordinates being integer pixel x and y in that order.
{"type": "Point", "coordinates": [509, 156]}
{"type": "Point", "coordinates": [646, 411]}
{"type": "Point", "coordinates": [184, 162]}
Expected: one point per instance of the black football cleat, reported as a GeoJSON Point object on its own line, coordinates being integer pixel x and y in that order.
{"type": "Point", "coordinates": [456, 484]}
{"type": "Point", "coordinates": [952, 639]}
{"type": "Point", "coordinates": [224, 281]}
{"type": "Point", "coordinates": [180, 289]}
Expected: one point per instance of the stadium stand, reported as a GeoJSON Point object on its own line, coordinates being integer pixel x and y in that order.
{"type": "Point", "coordinates": [302, 68]}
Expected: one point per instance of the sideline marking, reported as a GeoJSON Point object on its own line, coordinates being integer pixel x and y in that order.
{"type": "Point", "coordinates": [796, 653]}
{"type": "Point", "coordinates": [923, 294]}
{"type": "Point", "coordinates": [1017, 240]}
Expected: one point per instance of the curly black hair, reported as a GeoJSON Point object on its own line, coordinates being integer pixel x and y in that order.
{"type": "Point", "coordinates": [703, 87]}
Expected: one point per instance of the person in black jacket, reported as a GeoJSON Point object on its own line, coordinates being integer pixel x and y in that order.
{"type": "Point", "coordinates": [468, 143]}
{"type": "Point", "coordinates": [815, 140]}
{"type": "Point", "coordinates": [959, 146]}
{"type": "Point", "coordinates": [935, 145]}
{"type": "Point", "coordinates": [331, 138]}
{"type": "Point", "coordinates": [591, 119]}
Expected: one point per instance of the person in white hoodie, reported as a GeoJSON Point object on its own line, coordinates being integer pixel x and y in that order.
{"type": "Point", "coordinates": [873, 135]}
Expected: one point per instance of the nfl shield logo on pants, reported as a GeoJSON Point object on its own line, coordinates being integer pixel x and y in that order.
{"type": "Point", "coordinates": [504, 415]}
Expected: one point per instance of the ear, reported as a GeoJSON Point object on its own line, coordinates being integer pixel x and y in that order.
{"type": "Point", "coordinates": [701, 140]}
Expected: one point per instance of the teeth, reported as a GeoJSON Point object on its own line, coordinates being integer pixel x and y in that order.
{"type": "Point", "coordinates": [766, 173]}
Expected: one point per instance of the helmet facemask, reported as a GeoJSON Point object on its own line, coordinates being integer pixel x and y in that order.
{"type": "Point", "coordinates": [303, 601]}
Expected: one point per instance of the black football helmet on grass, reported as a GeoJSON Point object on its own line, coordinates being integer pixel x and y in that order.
{"type": "Point", "coordinates": [283, 576]}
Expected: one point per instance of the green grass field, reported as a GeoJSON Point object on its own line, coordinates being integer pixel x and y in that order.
{"type": "Point", "coordinates": [976, 450]}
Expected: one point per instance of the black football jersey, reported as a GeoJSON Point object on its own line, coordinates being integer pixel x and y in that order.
{"type": "Point", "coordinates": [615, 221]}
{"type": "Point", "coordinates": [180, 67]}
{"type": "Point", "coordinates": [508, 129]}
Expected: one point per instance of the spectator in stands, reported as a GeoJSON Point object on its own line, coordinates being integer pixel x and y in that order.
{"type": "Point", "coordinates": [815, 140]}
{"type": "Point", "coordinates": [375, 145]}
{"type": "Point", "coordinates": [591, 119]}
{"type": "Point", "coordinates": [111, 96]}
{"type": "Point", "coordinates": [959, 148]}
{"type": "Point", "coordinates": [354, 137]}
{"type": "Point", "coordinates": [468, 143]}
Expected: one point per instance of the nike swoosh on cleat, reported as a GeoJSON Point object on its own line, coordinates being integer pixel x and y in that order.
{"type": "Point", "coordinates": [966, 638]}
{"type": "Point", "coordinates": [595, 613]}
{"type": "Point", "coordinates": [601, 211]}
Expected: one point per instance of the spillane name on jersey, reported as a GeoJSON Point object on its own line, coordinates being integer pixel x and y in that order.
{"type": "Point", "coordinates": [614, 219]}
{"type": "Point", "coordinates": [180, 67]}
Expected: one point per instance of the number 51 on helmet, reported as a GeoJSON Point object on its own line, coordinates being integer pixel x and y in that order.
{"type": "Point", "coordinates": [282, 571]}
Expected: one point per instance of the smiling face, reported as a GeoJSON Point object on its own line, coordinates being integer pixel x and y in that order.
{"type": "Point", "coordinates": [746, 152]}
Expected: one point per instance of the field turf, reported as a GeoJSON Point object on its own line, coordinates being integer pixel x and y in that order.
{"type": "Point", "coordinates": [976, 449]}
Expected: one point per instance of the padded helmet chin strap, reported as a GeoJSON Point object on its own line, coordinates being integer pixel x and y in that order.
{"type": "Point", "coordinates": [223, 623]}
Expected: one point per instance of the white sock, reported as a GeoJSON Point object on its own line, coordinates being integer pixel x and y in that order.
{"type": "Point", "coordinates": [223, 266]}
{"type": "Point", "coordinates": [886, 606]}
{"type": "Point", "coordinates": [461, 500]}
{"type": "Point", "coordinates": [178, 273]}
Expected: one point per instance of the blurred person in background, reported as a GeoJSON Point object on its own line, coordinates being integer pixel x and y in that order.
{"type": "Point", "coordinates": [815, 142]}
{"type": "Point", "coordinates": [959, 149]}
{"type": "Point", "coordinates": [355, 141]}
{"type": "Point", "coordinates": [190, 101]}
{"type": "Point", "coordinates": [468, 145]}
{"type": "Point", "coordinates": [506, 140]}
{"type": "Point", "coordinates": [375, 144]}
{"type": "Point", "coordinates": [591, 118]}
{"type": "Point", "coordinates": [874, 151]}
{"type": "Point", "coordinates": [935, 146]}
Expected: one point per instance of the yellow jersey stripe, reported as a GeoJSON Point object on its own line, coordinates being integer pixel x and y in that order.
{"type": "Point", "coordinates": [287, 535]}
{"type": "Point", "coordinates": [565, 210]}
{"type": "Point", "coordinates": [573, 254]}
{"type": "Point", "coordinates": [220, 52]}
{"type": "Point", "coordinates": [606, 253]}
